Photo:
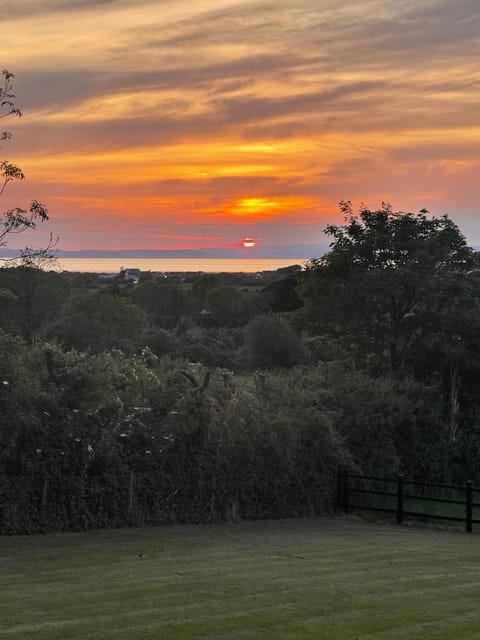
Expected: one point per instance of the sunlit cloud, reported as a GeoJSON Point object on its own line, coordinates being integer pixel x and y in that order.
{"type": "Point", "coordinates": [177, 116]}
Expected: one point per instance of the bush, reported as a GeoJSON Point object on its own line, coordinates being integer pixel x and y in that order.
{"type": "Point", "coordinates": [271, 342]}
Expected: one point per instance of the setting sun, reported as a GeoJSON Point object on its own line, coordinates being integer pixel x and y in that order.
{"type": "Point", "coordinates": [249, 243]}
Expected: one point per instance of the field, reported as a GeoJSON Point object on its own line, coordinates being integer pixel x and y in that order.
{"type": "Point", "coordinates": [338, 578]}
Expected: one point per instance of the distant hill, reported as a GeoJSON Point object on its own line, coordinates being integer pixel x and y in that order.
{"type": "Point", "coordinates": [296, 252]}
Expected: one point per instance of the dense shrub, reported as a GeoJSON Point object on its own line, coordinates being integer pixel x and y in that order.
{"type": "Point", "coordinates": [271, 342]}
{"type": "Point", "coordinates": [98, 321]}
{"type": "Point", "coordinates": [110, 440]}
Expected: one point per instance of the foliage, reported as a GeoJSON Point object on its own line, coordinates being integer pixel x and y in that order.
{"type": "Point", "coordinates": [203, 284]}
{"type": "Point", "coordinates": [17, 220]}
{"type": "Point", "coordinates": [213, 347]}
{"type": "Point", "coordinates": [281, 295]}
{"type": "Point", "coordinates": [156, 403]}
{"type": "Point", "coordinates": [165, 303]}
{"type": "Point", "coordinates": [400, 294]}
{"type": "Point", "coordinates": [385, 281]}
{"type": "Point", "coordinates": [388, 425]}
{"type": "Point", "coordinates": [271, 342]}
{"type": "Point", "coordinates": [99, 321]}
{"type": "Point", "coordinates": [197, 445]}
{"type": "Point", "coordinates": [228, 306]}
{"type": "Point", "coordinates": [31, 299]}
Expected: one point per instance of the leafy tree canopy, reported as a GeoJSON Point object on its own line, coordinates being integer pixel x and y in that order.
{"type": "Point", "coordinates": [387, 280]}
{"type": "Point", "coordinates": [387, 239]}
{"type": "Point", "coordinates": [98, 322]}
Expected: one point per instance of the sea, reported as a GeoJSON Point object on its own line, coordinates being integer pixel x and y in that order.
{"type": "Point", "coordinates": [176, 265]}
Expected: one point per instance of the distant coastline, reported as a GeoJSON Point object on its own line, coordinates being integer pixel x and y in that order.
{"type": "Point", "coordinates": [261, 252]}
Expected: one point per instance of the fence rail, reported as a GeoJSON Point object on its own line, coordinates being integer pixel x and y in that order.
{"type": "Point", "coordinates": [354, 491]}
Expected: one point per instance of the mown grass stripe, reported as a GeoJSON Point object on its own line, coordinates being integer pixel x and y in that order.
{"type": "Point", "coordinates": [319, 578]}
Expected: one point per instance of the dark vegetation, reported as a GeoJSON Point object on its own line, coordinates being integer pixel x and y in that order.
{"type": "Point", "coordinates": [214, 397]}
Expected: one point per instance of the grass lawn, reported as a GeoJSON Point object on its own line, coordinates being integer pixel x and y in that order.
{"type": "Point", "coordinates": [337, 578]}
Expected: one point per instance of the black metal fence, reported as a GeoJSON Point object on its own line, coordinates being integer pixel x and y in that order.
{"type": "Point", "coordinates": [409, 499]}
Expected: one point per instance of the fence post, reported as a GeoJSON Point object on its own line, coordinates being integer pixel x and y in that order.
{"type": "Point", "coordinates": [345, 491]}
{"type": "Point", "coordinates": [469, 506]}
{"type": "Point", "coordinates": [400, 499]}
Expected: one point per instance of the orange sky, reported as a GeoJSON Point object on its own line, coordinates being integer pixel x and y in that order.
{"type": "Point", "coordinates": [194, 123]}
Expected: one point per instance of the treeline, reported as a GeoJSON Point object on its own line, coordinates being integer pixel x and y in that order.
{"type": "Point", "coordinates": [204, 319]}
{"type": "Point", "coordinates": [209, 399]}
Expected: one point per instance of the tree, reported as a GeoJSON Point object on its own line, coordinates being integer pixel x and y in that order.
{"type": "Point", "coordinates": [271, 342]}
{"type": "Point", "coordinates": [281, 294]}
{"type": "Point", "coordinates": [452, 351]}
{"type": "Point", "coordinates": [228, 305]}
{"type": "Point", "coordinates": [165, 302]}
{"type": "Point", "coordinates": [98, 322]}
{"type": "Point", "coordinates": [30, 299]}
{"type": "Point", "coordinates": [204, 283]}
{"type": "Point", "coordinates": [17, 220]}
{"type": "Point", "coordinates": [386, 281]}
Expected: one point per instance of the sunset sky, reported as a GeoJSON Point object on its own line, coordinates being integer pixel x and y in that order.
{"type": "Point", "coordinates": [195, 123]}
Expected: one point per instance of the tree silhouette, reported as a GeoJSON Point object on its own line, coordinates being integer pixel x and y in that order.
{"type": "Point", "coordinates": [17, 220]}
